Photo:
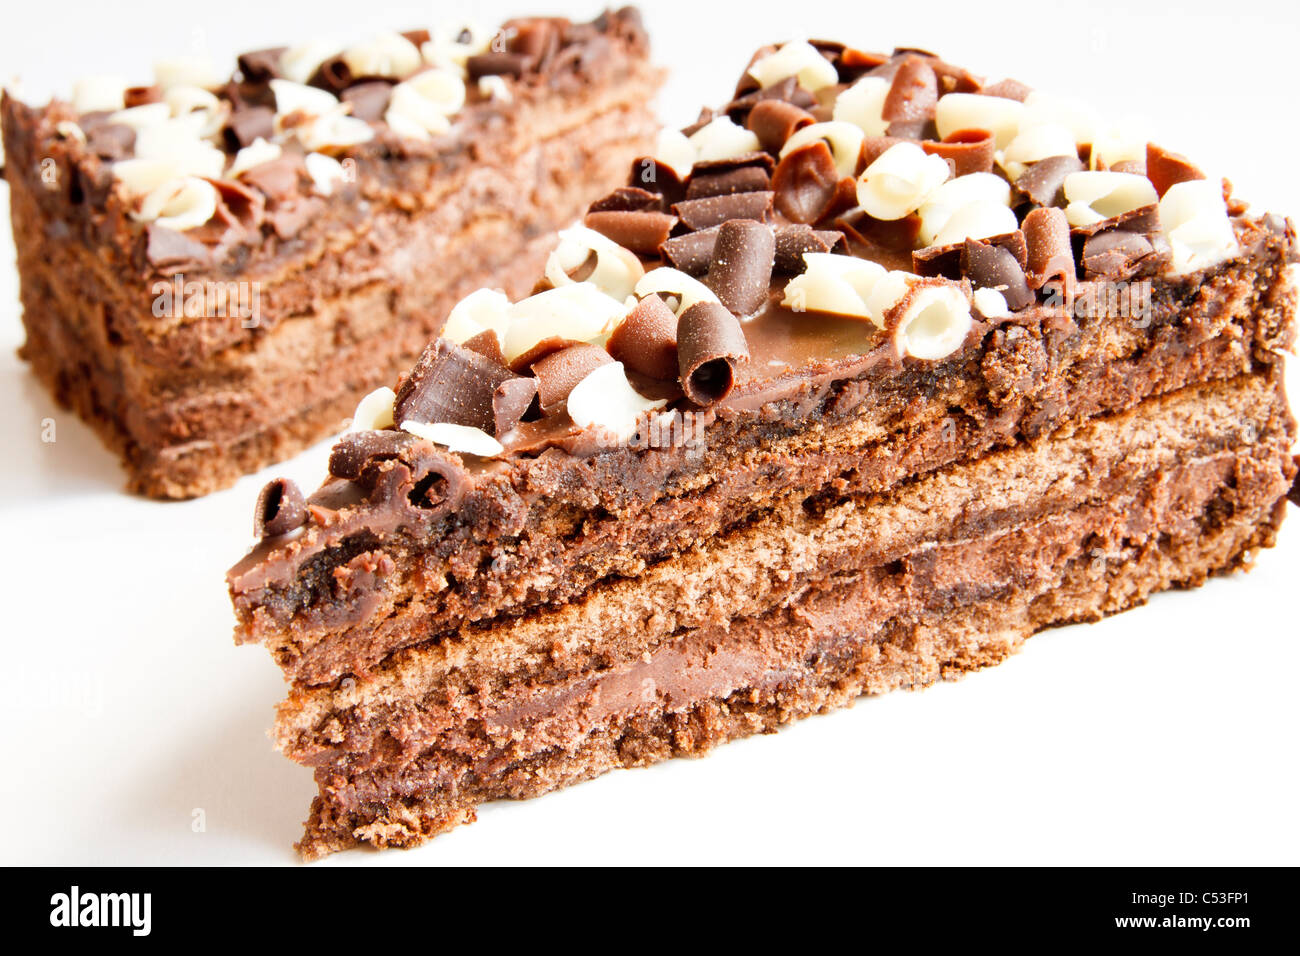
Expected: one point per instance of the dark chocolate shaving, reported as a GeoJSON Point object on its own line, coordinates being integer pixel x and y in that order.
{"type": "Point", "coordinates": [368, 100]}
{"type": "Point", "coordinates": [774, 121]}
{"type": "Point", "coordinates": [169, 249]}
{"type": "Point", "coordinates": [488, 345]}
{"type": "Point", "coordinates": [646, 341]}
{"type": "Point", "coordinates": [628, 199]}
{"type": "Point", "coordinates": [642, 232]}
{"type": "Point", "coordinates": [247, 124]}
{"type": "Point", "coordinates": [450, 383]}
{"type": "Point", "coordinates": [715, 210]}
{"type": "Point", "coordinates": [261, 66]}
{"type": "Point", "coordinates": [741, 268]}
{"type": "Point", "coordinates": [692, 252]}
{"type": "Point", "coordinates": [1043, 182]}
{"type": "Point", "coordinates": [806, 183]}
{"type": "Point", "coordinates": [1008, 90]}
{"type": "Point", "coordinates": [654, 176]}
{"type": "Point", "coordinates": [791, 242]}
{"type": "Point", "coordinates": [280, 509]}
{"type": "Point", "coordinates": [1050, 255]}
{"type": "Point", "coordinates": [496, 64]}
{"type": "Point", "coordinates": [1166, 169]}
{"type": "Point", "coordinates": [354, 450]}
{"type": "Point", "coordinates": [560, 371]}
{"type": "Point", "coordinates": [111, 141]}
{"type": "Point", "coordinates": [913, 92]}
{"type": "Point", "coordinates": [1115, 254]}
{"type": "Point", "coordinates": [990, 266]}
{"type": "Point", "coordinates": [278, 179]}
{"type": "Point", "coordinates": [969, 151]}
{"type": "Point", "coordinates": [511, 402]}
{"type": "Point", "coordinates": [710, 343]}
{"type": "Point", "coordinates": [723, 182]}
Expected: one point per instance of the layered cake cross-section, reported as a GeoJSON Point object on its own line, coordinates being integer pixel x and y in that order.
{"type": "Point", "coordinates": [857, 383]}
{"type": "Point", "coordinates": [215, 268]}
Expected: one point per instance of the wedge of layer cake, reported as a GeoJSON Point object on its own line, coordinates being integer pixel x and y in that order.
{"type": "Point", "coordinates": [215, 269]}
{"type": "Point", "coordinates": [860, 381]}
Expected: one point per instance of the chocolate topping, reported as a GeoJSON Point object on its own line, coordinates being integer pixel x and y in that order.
{"type": "Point", "coordinates": [710, 343]}
{"type": "Point", "coordinates": [368, 100]}
{"type": "Point", "coordinates": [646, 341]}
{"type": "Point", "coordinates": [913, 92]}
{"type": "Point", "coordinates": [1115, 254]}
{"type": "Point", "coordinates": [558, 372]}
{"type": "Point", "coordinates": [280, 509]}
{"type": "Point", "coordinates": [692, 252]}
{"type": "Point", "coordinates": [628, 199]}
{"type": "Point", "coordinates": [774, 121]}
{"type": "Point", "coordinates": [451, 383]}
{"type": "Point", "coordinates": [1050, 255]}
{"type": "Point", "coordinates": [715, 210]}
{"type": "Point", "coordinates": [741, 268]}
{"type": "Point", "coordinates": [1166, 169]}
{"type": "Point", "coordinates": [791, 242]}
{"type": "Point", "coordinates": [641, 231]}
{"type": "Point", "coordinates": [1044, 181]}
{"type": "Point", "coordinates": [806, 183]}
{"type": "Point", "coordinates": [969, 151]}
{"type": "Point", "coordinates": [990, 266]}
{"type": "Point", "coordinates": [169, 249]}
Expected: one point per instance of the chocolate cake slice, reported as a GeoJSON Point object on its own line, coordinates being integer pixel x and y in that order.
{"type": "Point", "coordinates": [860, 381]}
{"type": "Point", "coordinates": [214, 270]}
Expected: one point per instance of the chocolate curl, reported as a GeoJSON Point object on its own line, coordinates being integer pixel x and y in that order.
{"type": "Point", "coordinates": [523, 364]}
{"type": "Point", "coordinates": [913, 93]}
{"type": "Point", "coordinates": [873, 147]}
{"type": "Point", "coordinates": [723, 182]}
{"type": "Point", "coordinates": [792, 242]}
{"type": "Point", "coordinates": [646, 341]}
{"type": "Point", "coordinates": [368, 100]}
{"type": "Point", "coordinates": [641, 232]}
{"type": "Point", "coordinates": [1166, 169]}
{"type": "Point", "coordinates": [653, 176]}
{"type": "Point", "coordinates": [450, 383]}
{"type": "Point", "coordinates": [1044, 181]}
{"type": "Point", "coordinates": [261, 66]}
{"type": "Point", "coordinates": [511, 402]}
{"type": "Point", "coordinates": [1115, 254]}
{"type": "Point", "coordinates": [969, 151]}
{"type": "Point", "coordinates": [990, 266]}
{"type": "Point", "coordinates": [628, 199]}
{"type": "Point", "coordinates": [1050, 256]}
{"type": "Point", "coordinates": [710, 343]}
{"type": "Point", "coordinates": [277, 180]}
{"type": "Point", "coordinates": [1008, 90]}
{"type": "Point", "coordinates": [806, 183]}
{"type": "Point", "coordinates": [560, 371]}
{"type": "Point", "coordinates": [488, 345]}
{"type": "Point", "coordinates": [715, 210]}
{"type": "Point", "coordinates": [692, 252]}
{"type": "Point", "coordinates": [774, 121]}
{"type": "Point", "coordinates": [741, 268]}
{"type": "Point", "coordinates": [247, 124]}
{"type": "Point", "coordinates": [495, 63]}
{"type": "Point", "coordinates": [141, 95]}
{"type": "Point", "coordinates": [352, 452]}
{"type": "Point", "coordinates": [280, 509]}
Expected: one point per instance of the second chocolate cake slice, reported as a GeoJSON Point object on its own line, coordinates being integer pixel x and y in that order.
{"type": "Point", "coordinates": [858, 383]}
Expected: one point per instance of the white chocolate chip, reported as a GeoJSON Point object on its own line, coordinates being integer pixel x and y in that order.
{"type": "Point", "coordinates": [495, 87]}
{"type": "Point", "coordinates": [617, 269]}
{"type": "Point", "coordinates": [606, 399]}
{"type": "Point", "coordinates": [1097, 196]}
{"type": "Point", "coordinates": [844, 139]}
{"type": "Point", "coordinates": [388, 54]}
{"type": "Point", "coordinates": [934, 323]}
{"type": "Point", "coordinates": [463, 439]}
{"type": "Point", "coordinates": [959, 111]}
{"type": "Point", "coordinates": [186, 71]}
{"type": "Point", "coordinates": [836, 284]}
{"type": "Point", "coordinates": [141, 117]}
{"type": "Point", "coordinates": [798, 59]}
{"type": "Point", "coordinates": [955, 193]}
{"type": "Point", "coordinates": [194, 101]}
{"type": "Point", "coordinates": [1035, 143]}
{"type": "Point", "coordinates": [722, 139]}
{"type": "Point", "coordinates": [256, 153]}
{"type": "Point", "coordinates": [421, 106]}
{"type": "Point", "coordinates": [991, 303]}
{"type": "Point", "coordinates": [326, 172]}
{"type": "Point", "coordinates": [92, 94]}
{"type": "Point", "coordinates": [580, 312]}
{"type": "Point", "coordinates": [977, 220]}
{"type": "Point", "coordinates": [374, 412]}
{"type": "Point", "coordinates": [300, 62]}
{"type": "Point", "coordinates": [480, 311]}
{"type": "Point", "coordinates": [1194, 219]}
{"type": "Point", "coordinates": [862, 105]}
{"type": "Point", "coordinates": [900, 180]}
{"type": "Point", "coordinates": [687, 290]}
{"type": "Point", "coordinates": [675, 151]}
{"type": "Point", "coordinates": [180, 204]}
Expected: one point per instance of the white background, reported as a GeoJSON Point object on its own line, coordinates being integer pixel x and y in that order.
{"type": "Point", "coordinates": [1165, 736]}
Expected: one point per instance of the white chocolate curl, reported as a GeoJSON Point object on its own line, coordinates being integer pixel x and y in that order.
{"type": "Point", "coordinates": [180, 204]}
{"type": "Point", "coordinates": [374, 412]}
{"type": "Point", "coordinates": [798, 59]}
{"type": "Point", "coordinates": [900, 180]}
{"type": "Point", "coordinates": [617, 269]}
{"type": "Point", "coordinates": [977, 220]}
{"type": "Point", "coordinates": [187, 71]}
{"type": "Point", "coordinates": [687, 290]}
{"type": "Point", "coordinates": [91, 94]}
{"type": "Point", "coordinates": [579, 311]}
{"type": "Point", "coordinates": [606, 399]}
{"type": "Point", "coordinates": [1097, 196]}
{"type": "Point", "coordinates": [958, 111]}
{"type": "Point", "coordinates": [463, 439]}
{"type": "Point", "coordinates": [840, 285]}
{"type": "Point", "coordinates": [939, 207]}
{"type": "Point", "coordinates": [293, 97]}
{"type": "Point", "coordinates": [1034, 143]}
{"type": "Point", "coordinates": [991, 303]}
{"type": "Point", "coordinates": [675, 151]}
{"type": "Point", "coordinates": [1043, 109]}
{"type": "Point", "coordinates": [256, 153]}
{"type": "Point", "coordinates": [445, 48]}
{"type": "Point", "coordinates": [422, 106]}
{"type": "Point", "coordinates": [844, 140]}
{"type": "Point", "coordinates": [1194, 219]}
{"type": "Point", "coordinates": [862, 105]}
{"type": "Point", "coordinates": [324, 123]}
{"type": "Point", "coordinates": [481, 310]}
{"type": "Point", "coordinates": [194, 101]}
{"type": "Point", "coordinates": [934, 323]}
{"type": "Point", "coordinates": [388, 54]}
{"type": "Point", "coordinates": [722, 139]}
{"type": "Point", "coordinates": [300, 62]}
{"type": "Point", "coordinates": [140, 117]}
{"type": "Point", "coordinates": [326, 172]}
